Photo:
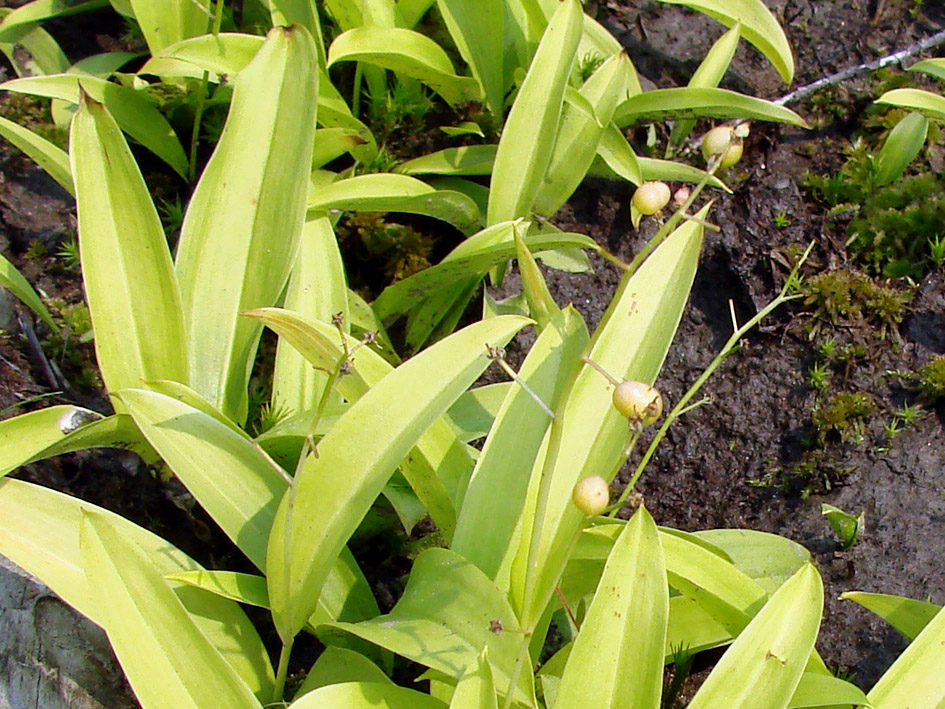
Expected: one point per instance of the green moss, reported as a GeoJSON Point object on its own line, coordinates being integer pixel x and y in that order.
{"type": "Point", "coordinates": [843, 415]}
{"type": "Point", "coordinates": [849, 296]}
{"type": "Point", "coordinates": [932, 379]}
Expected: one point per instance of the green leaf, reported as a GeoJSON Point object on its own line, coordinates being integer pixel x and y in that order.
{"type": "Point", "coordinates": [444, 619]}
{"type": "Point", "coordinates": [13, 280]}
{"type": "Point", "coordinates": [475, 411]}
{"type": "Point", "coordinates": [18, 20]}
{"type": "Point", "coordinates": [300, 12]}
{"type": "Point", "coordinates": [926, 102]}
{"type": "Point", "coordinates": [617, 659]}
{"type": "Point", "coordinates": [847, 527]}
{"type": "Point", "coordinates": [525, 149]}
{"type": "Point", "coordinates": [53, 159]}
{"type": "Point", "coordinates": [580, 134]}
{"type": "Point", "coordinates": [244, 588]}
{"type": "Point", "coordinates": [130, 109]}
{"type": "Point", "coordinates": [473, 258]}
{"type": "Point", "coordinates": [915, 678]}
{"type": "Point", "coordinates": [337, 665]}
{"type": "Point", "coordinates": [333, 492]}
{"type": "Point", "coordinates": [166, 22]}
{"type": "Point", "coordinates": [31, 50]}
{"type": "Point", "coordinates": [708, 75]}
{"type": "Point", "coordinates": [317, 289]}
{"type": "Point", "coordinates": [763, 667]}
{"type": "Point", "coordinates": [242, 228]}
{"type": "Point", "coordinates": [166, 658]}
{"type": "Point", "coordinates": [906, 615]}
{"type": "Point", "coordinates": [63, 429]}
{"type": "Point", "coordinates": [768, 559]}
{"type": "Point", "coordinates": [396, 193]}
{"type": "Point", "coordinates": [366, 695]}
{"type": "Point", "coordinates": [932, 67]}
{"type": "Point", "coordinates": [475, 689]}
{"type": "Point", "coordinates": [476, 27]}
{"type": "Point", "coordinates": [902, 144]}
{"type": "Point", "coordinates": [408, 53]}
{"type": "Point", "coordinates": [128, 276]}
{"type": "Point", "coordinates": [818, 690]}
{"type": "Point", "coordinates": [616, 152]}
{"type": "Point", "coordinates": [652, 169]}
{"type": "Point", "coordinates": [465, 160]}
{"type": "Point", "coordinates": [224, 54]}
{"type": "Point", "coordinates": [759, 27]}
{"type": "Point", "coordinates": [631, 343]}
{"type": "Point", "coordinates": [39, 531]}
{"type": "Point", "coordinates": [661, 104]}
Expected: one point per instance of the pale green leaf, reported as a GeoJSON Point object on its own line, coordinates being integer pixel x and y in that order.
{"type": "Point", "coordinates": [926, 102]}
{"type": "Point", "coordinates": [130, 109]}
{"type": "Point", "coordinates": [477, 29]}
{"type": "Point", "coordinates": [382, 192]}
{"type": "Point", "coordinates": [53, 159]}
{"type": "Point", "coordinates": [166, 22]}
{"type": "Point", "coordinates": [30, 13]}
{"type": "Point", "coordinates": [334, 491]}
{"type": "Point", "coordinates": [653, 169]}
{"type": "Point", "coordinates": [763, 667]}
{"type": "Point", "coordinates": [242, 228]}
{"type": "Point", "coordinates": [932, 67]}
{"type": "Point", "coordinates": [617, 659]}
{"type": "Point", "coordinates": [487, 521]}
{"type": "Point", "coordinates": [366, 695]}
{"type": "Point", "coordinates": [465, 160]}
{"type": "Point", "coordinates": [819, 690]}
{"type": "Point", "coordinates": [475, 689]}
{"type": "Point", "coordinates": [525, 149]}
{"type": "Point", "coordinates": [165, 657]}
{"type": "Point", "coordinates": [902, 145]}
{"type": "Point", "coordinates": [13, 280]}
{"type": "Point", "coordinates": [759, 27]}
{"type": "Point", "coordinates": [30, 49]}
{"type": "Point", "coordinates": [474, 412]}
{"type": "Point", "coordinates": [445, 618]}
{"type": "Point", "coordinates": [915, 679]}
{"type": "Point", "coordinates": [906, 615]}
{"type": "Point", "coordinates": [769, 559]}
{"type": "Point", "coordinates": [300, 12]}
{"type": "Point", "coordinates": [408, 53]}
{"type": "Point", "coordinates": [39, 531]}
{"type": "Point", "coordinates": [317, 289]}
{"type": "Point", "coordinates": [244, 588]}
{"type": "Point", "coordinates": [225, 54]}
{"type": "Point", "coordinates": [127, 272]}
{"type": "Point", "coordinates": [619, 157]}
{"type": "Point", "coordinates": [337, 665]}
{"type": "Point", "coordinates": [662, 104]}
{"type": "Point", "coordinates": [631, 343]}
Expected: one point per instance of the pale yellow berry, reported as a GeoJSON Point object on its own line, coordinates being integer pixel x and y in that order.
{"type": "Point", "coordinates": [723, 140]}
{"type": "Point", "coordinates": [591, 495]}
{"type": "Point", "coordinates": [651, 197]}
{"type": "Point", "coordinates": [639, 402]}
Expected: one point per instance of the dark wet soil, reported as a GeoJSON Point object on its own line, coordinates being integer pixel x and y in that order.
{"type": "Point", "coordinates": [746, 458]}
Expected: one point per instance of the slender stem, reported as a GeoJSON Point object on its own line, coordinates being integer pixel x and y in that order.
{"type": "Point", "coordinates": [507, 368]}
{"type": "Point", "coordinates": [281, 673]}
{"type": "Point", "coordinates": [195, 133]}
{"type": "Point", "coordinates": [575, 628]}
{"type": "Point", "coordinates": [730, 346]}
{"type": "Point", "coordinates": [519, 663]}
{"type": "Point", "coordinates": [603, 372]}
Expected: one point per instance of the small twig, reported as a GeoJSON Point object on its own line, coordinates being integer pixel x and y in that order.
{"type": "Point", "coordinates": [850, 72]}
{"type": "Point", "coordinates": [603, 372]}
{"type": "Point", "coordinates": [576, 627]}
{"type": "Point", "coordinates": [497, 355]}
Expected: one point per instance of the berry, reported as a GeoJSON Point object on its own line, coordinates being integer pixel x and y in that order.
{"type": "Point", "coordinates": [639, 402]}
{"type": "Point", "coordinates": [651, 197]}
{"type": "Point", "coordinates": [591, 495]}
{"type": "Point", "coordinates": [725, 141]}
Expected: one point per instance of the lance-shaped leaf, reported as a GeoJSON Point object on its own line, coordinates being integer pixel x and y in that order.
{"type": "Point", "coordinates": [13, 280]}
{"type": "Point", "coordinates": [915, 678]}
{"type": "Point", "coordinates": [621, 641]}
{"type": "Point", "coordinates": [242, 228]}
{"type": "Point", "coordinates": [767, 558]}
{"type": "Point", "coordinates": [53, 159]}
{"type": "Point", "coordinates": [660, 104]}
{"type": "Point", "coordinates": [487, 521]}
{"type": "Point", "coordinates": [476, 27]}
{"type": "Point", "coordinates": [396, 193]}
{"type": "Point", "coordinates": [906, 615]}
{"type": "Point", "coordinates": [408, 53]}
{"type": "Point", "coordinates": [333, 492]}
{"type": "Point", "coordinates": [166, 22]}
{"type": "Point", "coordinates": [525, 148]}
{"type": "Point", "coordinates": [317, 289]}
{"type": "Point", "coordinates": [166, 658]}
{"type": "Point", "coordinates": [926, 102]}
{"type": "Point", "coordinates": [30, 13]}
{"type": "Point", "coordinates": [902, 144]}
{"type": "Point", "coordinates": [224, 54]}
{"type": "Point", "coordinates": [126, 265]}
{"type": "Point", "coordinates": [450, 610]}
{"type": "Point", "coordinates": [759, 27]}
{"type": "Point", "coordinates": [709, 74]}
{"type": "Point", "coordinates": [580, 133]}
{"type": "Point", "coordinates": [438, 462]}
{"type": "Point", "coordinates": [130, 109]}
{"type": "Point", "coordinates": [366, 695]}
{"type": "Point", "coordinates": [476, 689]}
{"type": "Point", "coordinates": [464, 160]}
{"type": "Point", "coordinates": [39, 531]}
{"type": "Point", "coordinates": [588, 436]}
{"type": "Point", "coordinates": [763, 667]}
{"type": "Point", "coordinates": [932, 67]}
{"type": "Point", "coordinates": [825, 690]}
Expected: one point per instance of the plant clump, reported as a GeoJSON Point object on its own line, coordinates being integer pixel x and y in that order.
{"type": "Point", "coordinates": [843, 415]}
{"type": "Point", "coordinates": [844, 295]}
{"type": "Point", "coordinates": [932, 379]}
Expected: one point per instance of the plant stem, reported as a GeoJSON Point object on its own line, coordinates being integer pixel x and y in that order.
{"type": "Point", "coordinates": [283, 670]}
{"type": "Point", "coordinates": [517, 670]}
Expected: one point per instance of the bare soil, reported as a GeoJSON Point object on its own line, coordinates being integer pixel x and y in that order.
{"type": "Point", "coordinates": [730, 463]}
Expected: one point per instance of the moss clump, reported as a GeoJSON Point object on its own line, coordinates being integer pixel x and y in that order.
{"type": "Point", "coordinates": [846, 295]}
{"type": "Point", "coordinates": [843, 415]}
{"type": "Point", "coordinates": [932, 379]}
